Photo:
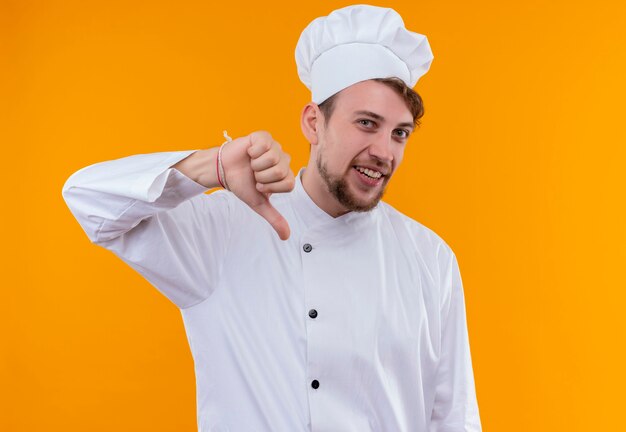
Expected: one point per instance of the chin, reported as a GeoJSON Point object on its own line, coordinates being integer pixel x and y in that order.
{"type": "Point", "coordinates": [346, 192]}
{"type": "Point", "coordinates": [352, 200]}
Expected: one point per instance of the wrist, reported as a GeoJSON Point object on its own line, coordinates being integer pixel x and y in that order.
{"type": "Point", "coordinates": [207, 173]}
{"type": "Point", "coordinates": [200, 167]}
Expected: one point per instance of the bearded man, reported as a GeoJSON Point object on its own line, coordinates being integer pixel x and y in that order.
{"type": "Point", "coordinates": [309, 303]}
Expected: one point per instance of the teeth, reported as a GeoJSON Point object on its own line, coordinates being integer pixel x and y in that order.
{"type": "Point", "coordinates": [369, 172]}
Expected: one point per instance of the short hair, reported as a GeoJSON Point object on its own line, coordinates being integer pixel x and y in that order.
{"type": "Point", "coordinates": [411, 98]}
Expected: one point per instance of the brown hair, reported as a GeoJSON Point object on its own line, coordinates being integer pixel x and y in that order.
{"type": "Point", "coordinates": [410, 96]}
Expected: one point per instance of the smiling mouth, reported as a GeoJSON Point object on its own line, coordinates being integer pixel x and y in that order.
{"type": "Point", "coordinates": [372, 174]}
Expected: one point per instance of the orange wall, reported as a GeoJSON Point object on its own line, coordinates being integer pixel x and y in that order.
{"type": "Point", "coordinates": [518, 165]}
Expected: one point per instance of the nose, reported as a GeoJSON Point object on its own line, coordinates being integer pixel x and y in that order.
{"type": "Point", "coordinates": [380, 148]}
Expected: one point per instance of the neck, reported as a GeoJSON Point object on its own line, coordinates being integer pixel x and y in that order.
{"type": "Point", "coordinates": [317, 190]}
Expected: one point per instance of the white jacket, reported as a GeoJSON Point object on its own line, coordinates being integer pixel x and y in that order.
{"type": "Point", "coordinates": [356, 323]}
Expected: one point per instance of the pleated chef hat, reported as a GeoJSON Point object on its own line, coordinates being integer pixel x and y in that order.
{"type": "Point", "coordinates": [358, 43]}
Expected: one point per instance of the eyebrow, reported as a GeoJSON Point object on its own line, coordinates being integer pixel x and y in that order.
{"type": "Point", "coordinates": [382, 119]}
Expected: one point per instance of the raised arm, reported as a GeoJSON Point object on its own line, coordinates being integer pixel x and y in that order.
{"type": "Point", "coordinates": [151, 210]}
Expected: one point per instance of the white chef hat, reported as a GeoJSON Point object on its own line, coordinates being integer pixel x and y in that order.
{"type": "Point", "coordinates": [358, 43]}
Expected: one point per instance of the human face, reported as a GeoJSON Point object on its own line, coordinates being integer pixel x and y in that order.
{"type": "Point", "coordinates": [362, 145]}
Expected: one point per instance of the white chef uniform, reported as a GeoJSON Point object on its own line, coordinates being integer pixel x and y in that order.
{"type": "Point", "coordinates": [356, 323]}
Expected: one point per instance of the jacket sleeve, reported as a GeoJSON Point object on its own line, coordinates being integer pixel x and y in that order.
{"type": "Point", "coordinates": [455, 407]}
{"type": "Point", "coordinates": [156, 219]}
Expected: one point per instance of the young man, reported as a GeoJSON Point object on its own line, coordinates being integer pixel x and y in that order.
{"type": "Point", "coordinates": [309, 304]}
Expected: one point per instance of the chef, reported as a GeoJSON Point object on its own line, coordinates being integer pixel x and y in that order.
{"type": "Point", "coordinates": [309, 303]}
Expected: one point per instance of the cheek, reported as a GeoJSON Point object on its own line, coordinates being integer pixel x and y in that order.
{"type": "Point", "coordinates": [344, 150]}
{"type": "Point", "coordinates": [398, 156]}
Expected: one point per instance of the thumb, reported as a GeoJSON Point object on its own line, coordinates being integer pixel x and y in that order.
{"type": "Point", "coordinates": [276, 220]}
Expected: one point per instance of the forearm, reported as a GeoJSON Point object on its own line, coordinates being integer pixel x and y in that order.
{"type": "Point", "coordinates": [109, 198]}
{"type": "Point", "coordinates": [201, 167]}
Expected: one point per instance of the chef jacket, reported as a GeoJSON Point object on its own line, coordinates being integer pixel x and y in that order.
{"type": "Point", "coordinates": [355, 323]}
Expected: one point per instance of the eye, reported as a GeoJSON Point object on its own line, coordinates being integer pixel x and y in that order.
{"type": "Point", "coordinates": [403, 133]}
{"type": "Point", "coordinates": [365, 122]}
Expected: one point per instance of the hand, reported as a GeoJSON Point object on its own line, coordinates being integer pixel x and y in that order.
{"type": "Point", "coordinates": [255, 167]}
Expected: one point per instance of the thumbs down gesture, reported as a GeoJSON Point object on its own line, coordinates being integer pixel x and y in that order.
{"type": "Point", "coordinates": [255, 166]}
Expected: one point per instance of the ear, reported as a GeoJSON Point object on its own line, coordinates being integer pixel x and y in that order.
{"type": "Point", "coordinates": [311, 120]}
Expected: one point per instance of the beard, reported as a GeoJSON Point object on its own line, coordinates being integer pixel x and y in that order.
{"type": "Point", "coordinates": [338, 187]}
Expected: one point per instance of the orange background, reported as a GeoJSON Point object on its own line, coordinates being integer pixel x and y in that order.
{"type": "Point", "coordinates": [519, 166]}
